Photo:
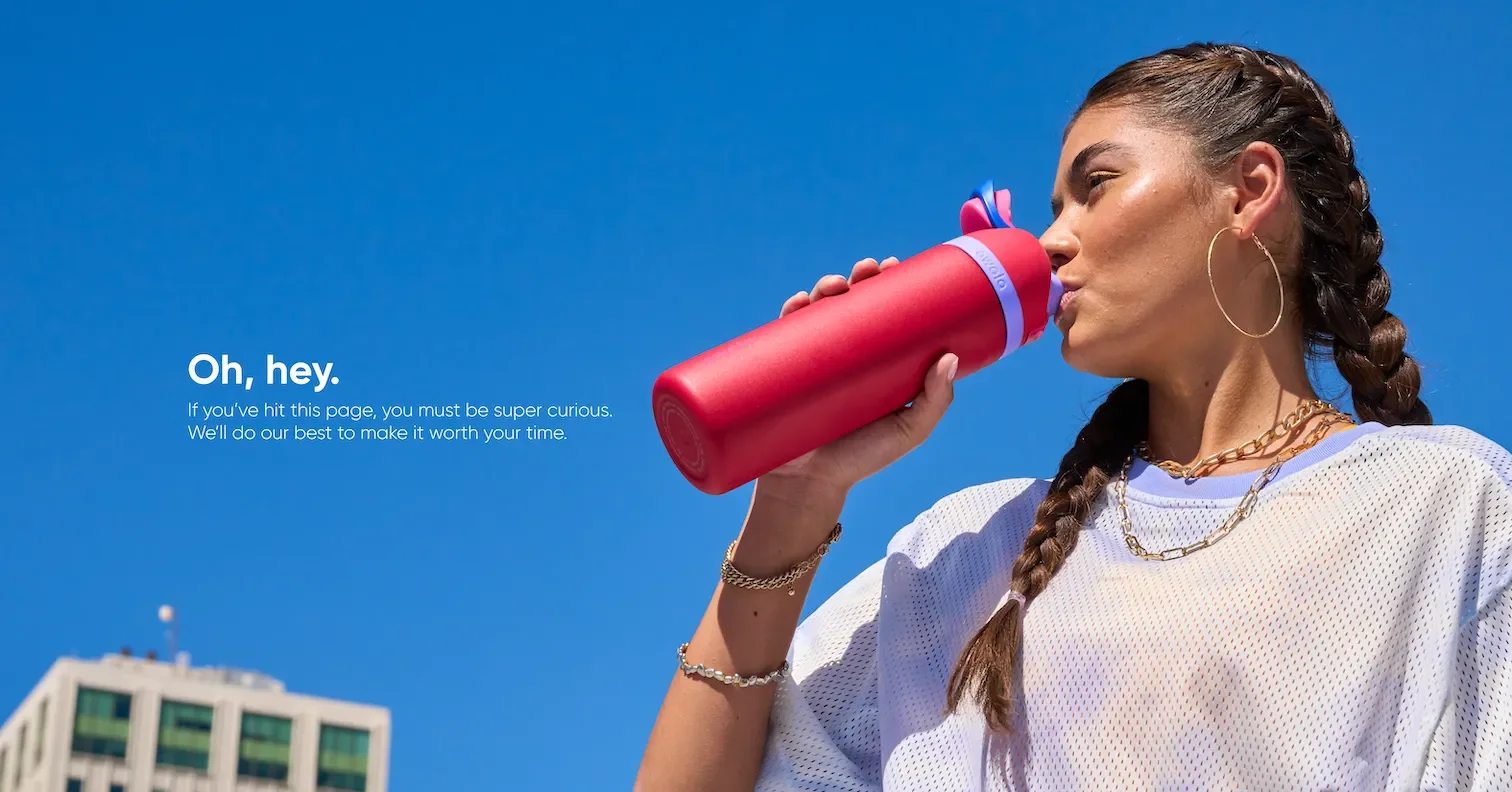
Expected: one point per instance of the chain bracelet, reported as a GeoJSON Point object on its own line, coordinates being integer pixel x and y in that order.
{"type": "Point", "coordinates": [729, 574]}
{"type": "Point", "coordinates": [729, 679]}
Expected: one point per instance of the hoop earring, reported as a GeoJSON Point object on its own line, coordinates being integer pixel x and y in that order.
{"type": "Point", "coordinates": [1279, 287]}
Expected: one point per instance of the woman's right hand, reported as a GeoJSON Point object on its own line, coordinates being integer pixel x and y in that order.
{"type": "Point", "coordinates": [707, 739]}
{"type": "Point", "coordinates": [841, 464]}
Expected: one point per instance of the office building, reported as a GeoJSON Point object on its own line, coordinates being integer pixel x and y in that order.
{"type": "Point", "coordinates": [131, 724]}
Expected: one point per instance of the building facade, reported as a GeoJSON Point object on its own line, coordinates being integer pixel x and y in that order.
{"type": "Point", "coordinates": [127, 724]}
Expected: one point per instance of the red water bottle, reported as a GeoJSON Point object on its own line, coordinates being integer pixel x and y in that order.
{"type": "Point", "coordinates": [741, 409]}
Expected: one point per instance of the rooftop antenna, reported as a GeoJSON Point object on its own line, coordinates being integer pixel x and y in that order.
{"type": "Point", "coordinates": [168, 617]}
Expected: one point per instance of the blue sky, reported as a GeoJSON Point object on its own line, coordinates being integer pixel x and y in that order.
{"type": "Point", "coordinates": [508, 204]}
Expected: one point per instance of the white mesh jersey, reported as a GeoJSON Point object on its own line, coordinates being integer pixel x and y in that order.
{"type": "Point", "coordinates": [1354, 633]}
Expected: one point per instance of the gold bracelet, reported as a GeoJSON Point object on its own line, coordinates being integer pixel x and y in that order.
{"type": "Point", "coordinates": [729, 679]}
{"type": "Point", "coordinates": [735, 577]}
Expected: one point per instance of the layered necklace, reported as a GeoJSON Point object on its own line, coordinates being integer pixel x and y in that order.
{"type": "Point", "coordinates": [1205, 466]}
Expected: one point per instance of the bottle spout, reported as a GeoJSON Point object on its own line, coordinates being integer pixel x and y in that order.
{"type": "Point", "coordinates": [1057, 290]}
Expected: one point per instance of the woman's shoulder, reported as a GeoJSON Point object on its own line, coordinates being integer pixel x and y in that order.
{"type": "Point", "coordinates": [958, 531]}
{"type": "Point", "coordinates": [1464, 481]}
{"type": "Point", "coordinates": [944, 570]}
{"type": "Point", "coordinates": [991, 507]}
{"type": "Point", "coordinates": [1440, 450]}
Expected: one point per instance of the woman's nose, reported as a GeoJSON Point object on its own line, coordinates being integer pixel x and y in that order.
{"type": "Point", "coordinates": [1060, 245]}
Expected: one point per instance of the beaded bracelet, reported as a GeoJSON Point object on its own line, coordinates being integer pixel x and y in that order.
{"type": "Point", "coordinates": [729, 679]}
{"type": "Point", "coordinates": [735, 577]}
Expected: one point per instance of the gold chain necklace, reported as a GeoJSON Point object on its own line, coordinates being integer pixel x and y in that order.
{"type": "Point", "coordinates": [1246, 504]}
{"type": "Point", "coordinates": [1206, 465]}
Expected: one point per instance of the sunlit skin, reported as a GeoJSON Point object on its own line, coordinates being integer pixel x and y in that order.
{"type": "Point", "coordinates": [1135, 211]}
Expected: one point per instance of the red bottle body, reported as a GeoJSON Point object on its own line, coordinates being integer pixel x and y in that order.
{"type": "Point", "coordinates": [741, 409]}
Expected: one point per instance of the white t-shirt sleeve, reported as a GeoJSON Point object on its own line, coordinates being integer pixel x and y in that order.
{"type": "Point", "coordinates": [1472, 745]}
{"type": "Point", "coordinates": [824, 734]}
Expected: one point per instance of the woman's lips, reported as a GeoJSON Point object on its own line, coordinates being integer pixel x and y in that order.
{"type": "Point", "coordinates": [1067, 300]}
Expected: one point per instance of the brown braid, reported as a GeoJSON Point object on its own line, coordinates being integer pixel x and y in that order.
{"type": "Point", "coordinates": [1345, 294]}
{"type": "Point", "coordinates": [987, 667]}
{"type": "Point", "coordinates": [1225, 97]}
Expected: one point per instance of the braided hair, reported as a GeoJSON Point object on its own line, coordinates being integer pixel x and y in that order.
{"type": "Point", "coordinates": [1225, 97]}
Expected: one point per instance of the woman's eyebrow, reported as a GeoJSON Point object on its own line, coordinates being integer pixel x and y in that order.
{"type": "Point", "coordinates": [1079, 167]}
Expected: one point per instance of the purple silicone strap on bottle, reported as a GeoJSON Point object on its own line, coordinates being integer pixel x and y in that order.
{"type": "Point", "coordinates": [1057, 290]}
{"type": "Point", "coordinates": [1013, 312]}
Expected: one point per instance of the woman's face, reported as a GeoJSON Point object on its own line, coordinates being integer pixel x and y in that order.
{"type": "Point", "coordinates": [1134, 213]}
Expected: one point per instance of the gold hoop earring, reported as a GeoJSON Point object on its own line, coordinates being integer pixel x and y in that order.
{"type": "Point", "coordinates": [1281, 289]}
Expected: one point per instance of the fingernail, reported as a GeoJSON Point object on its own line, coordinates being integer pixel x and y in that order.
{"type": "Point", "coordinates": [951, 372]}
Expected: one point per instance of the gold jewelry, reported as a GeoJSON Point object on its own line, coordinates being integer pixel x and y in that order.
{"type": "Point", "coordinates": [1246, 505]}
{"type": "Point", "coordinates": [735, 577]}
{"type": "Point", "coordinates": [1279, 287]}
{"type": "Point", "coordinates": [1206, 465]}
{"type": "Point", "coordinates": [729, 679]}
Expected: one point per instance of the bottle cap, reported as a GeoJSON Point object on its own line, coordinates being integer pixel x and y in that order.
{"type": "Point", "coordinates": [986, 208]}
{"type": "Point", "coordinates": [990, 208]}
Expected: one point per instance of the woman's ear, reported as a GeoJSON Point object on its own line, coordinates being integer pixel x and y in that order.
{"type": "Point", "coordinates": [1259, 182]}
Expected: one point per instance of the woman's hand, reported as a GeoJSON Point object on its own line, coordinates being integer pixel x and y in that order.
{"type": "Point", "coordinates": [836, 467]}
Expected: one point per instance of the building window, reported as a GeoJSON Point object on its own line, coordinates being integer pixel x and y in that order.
{"type": "Point", "coordinates": [117, 788]}
{"type": "Point", "coordinates": [102, 723]}
{"type": "Point", "coordinates": [41, 731]}
{"type": "Point", "coordinates": [75, 785]}
{"type": "Point", "coordinates": [264, 748]}
{"type": "Point", "coordinates": [184, 736]}
{"type": "Point", "coordinates": [343, 759]}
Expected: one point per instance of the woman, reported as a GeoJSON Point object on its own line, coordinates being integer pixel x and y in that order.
{"type": "Point", "coordinates": [1227, 584]}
